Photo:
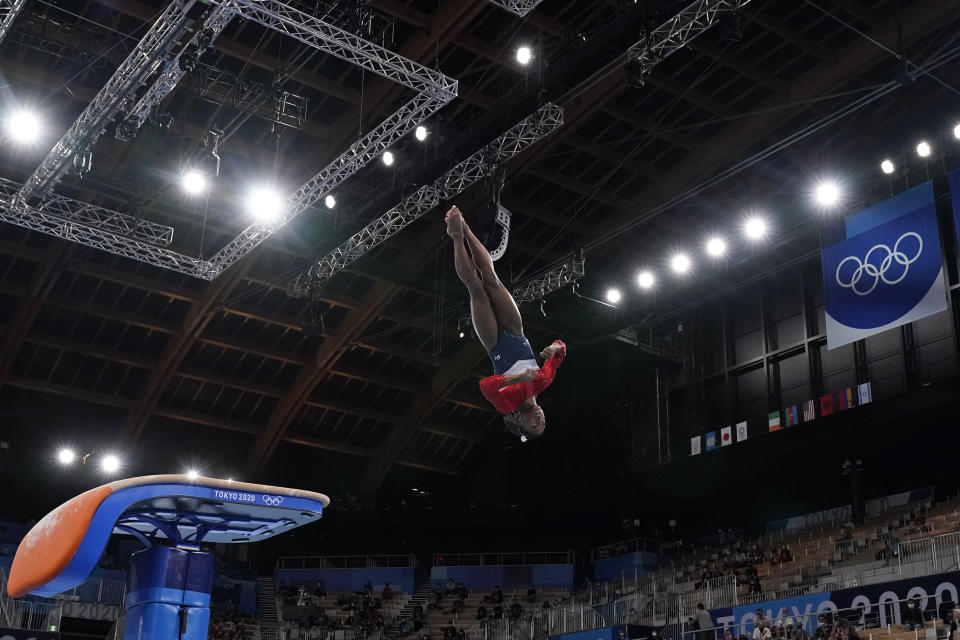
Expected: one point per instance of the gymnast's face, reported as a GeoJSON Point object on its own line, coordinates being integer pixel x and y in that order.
{"type": "Point", "coordinates": [533, 422]}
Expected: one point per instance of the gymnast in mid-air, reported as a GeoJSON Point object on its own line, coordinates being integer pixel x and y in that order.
{"type": "Point", "coordinates": [517, 379]}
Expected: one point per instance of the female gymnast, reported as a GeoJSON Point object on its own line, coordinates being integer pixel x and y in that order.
{"type": "Point", "coordinates": [517, 379]}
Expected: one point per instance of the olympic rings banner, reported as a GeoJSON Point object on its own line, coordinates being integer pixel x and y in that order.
{"type": "Point", "coordinates": [888, 271]}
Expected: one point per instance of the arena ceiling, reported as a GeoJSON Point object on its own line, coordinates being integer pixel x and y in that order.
{"type": "Point", "coordinates": [153, 362]}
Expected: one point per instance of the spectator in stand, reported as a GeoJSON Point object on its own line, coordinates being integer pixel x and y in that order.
{"type": "Point", "coordinates": [799, 633]}
{"type": "Point", "coordinates": [755, 587]}
{"type": "Point", "coordinates": [954, 625]}
{"type": "Point", "coordinates": [516, 611]}
{"type": "Point", "coordinates": [457, 607]}
{"type": "Point", "coordinates": [785, 555]}
{"type": "Point", "coordinates": [762, 620]}
{"type": "Point", "coordinates": [497, 613]}
{"type": "Point", "coordinates": [449, 632]}
{"type": "Point", "coordinates": [531, 594]}
{"type": "Point", "coordinates": [913, 616]}
{"type": "Point", "coordinates": [387, 593]}
{"type": "Point", "coordinates": [761, 632]}
{"type": "Point", "coordinates": [704, 623]}
{"type": "Point", "coordinates": [497, 595]}
{"type": "Point", "coordinates": [481, 612]}
{"type": "Point", "coordinates": [728, 634]}
{"type": "Point", "coordinates": [784, 619]}
{"type": "Point", "coordinates": [320, 590]}
{"type": "Point", "coordinates": [437, 598]}
{"type": "Point", "coordinates": [404, 626]}
{"type": "Point", "coordinates": [368, 587]}
{"type": "Point", "coordinates": [845, 534]}
{"type": "Point", "coordinates": [462, 591]}
{"type": "Point", "coordinates": [451, 589]}
{"type": "Point", "coordinates": [461, 634]}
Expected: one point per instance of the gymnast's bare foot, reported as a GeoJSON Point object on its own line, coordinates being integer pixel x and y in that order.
{"type": "Point", "coordinates": [454, 221]}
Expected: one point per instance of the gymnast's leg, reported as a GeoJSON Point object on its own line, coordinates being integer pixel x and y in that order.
{"type": "Point", "coordinates": [481, 312]}
{"type": "Point", "coordinates": [504, 306]}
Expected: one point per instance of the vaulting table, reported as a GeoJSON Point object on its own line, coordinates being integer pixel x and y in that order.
{"type": "Point", "coordinates": [170, 581]}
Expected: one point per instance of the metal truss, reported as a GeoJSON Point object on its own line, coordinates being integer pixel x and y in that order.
{"type": "Point", "coordinates": [89, 215]}
{"type": "Point", "coordinates": [246, 96]}
{"type": "Point", "coordinates": [678, 31]}
{"type": "Point", "coordinates": [97, 227]}
{"type": "Point", "coordinates": [434, 90]}
{"type": "Point", "coordinates": [142, 62]}
{"type": "Point", "coordinates": [316, 33]}
{"type": "Point", "coordinates": [175, 68]}
{"type": "Point", "coordinates": [556, 278]}
{"type": "Point", "coordinates": [74, 43]}
{"type": "Point", "coordinates": [8, 13]}
{"type": "Point", "coordinates": [533, 128]}
{"type": "Point", "coordinates": [360, 153]}
{"type": "Point", "coordinates": [517, 7]}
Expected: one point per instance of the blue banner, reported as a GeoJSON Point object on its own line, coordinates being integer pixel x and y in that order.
{"type": "Point", "coordinates": [954, 179]}
{"type": "Point", "coordinates": [881, 600]}
{"type": "Point", "coordinates": [888, 273]}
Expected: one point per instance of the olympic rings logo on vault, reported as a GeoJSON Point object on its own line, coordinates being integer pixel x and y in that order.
{"type": "Point", "coordinates": [273, 501]}
{"type": "Point", "coordinates": [873, 274]}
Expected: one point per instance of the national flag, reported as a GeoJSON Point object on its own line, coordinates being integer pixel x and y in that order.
{"type": "Point", "coordinates": [826, 404]}
{"type": "Point", "coordinates": [694, 445]}
{"type": "Point", "coordinates": [793, 415]}
{"type": "Point", "coordinates": [711, 440]}
{"type": "Point", "coordinates": [809, 413]}
{"type": "Point", "coordinates": [726, 436]}
{"type": "Point", "coordinates": [741, 431]}
{"type": "Point", "coordinates": [774, 421]}
{"type": "Point", "coordinates": [845, 398]}
{"type": "Point", "coordinates": [864, 393]}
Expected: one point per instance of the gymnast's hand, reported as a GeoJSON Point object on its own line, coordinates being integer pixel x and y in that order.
{"type": "Point", "coordinates": [551, 349]}
{"type": "Point", "coordinates": [528, 376]}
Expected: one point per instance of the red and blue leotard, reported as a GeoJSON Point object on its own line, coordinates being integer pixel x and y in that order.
{"type": "Point", "coordinates": [506, 398]}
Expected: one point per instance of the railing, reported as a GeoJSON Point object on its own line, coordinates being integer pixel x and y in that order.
{"type": "Point", "coordinates": [561, 620]}
{"type": "Point", "coordinates": [99, 591]}
{"type": "Point", "coordinates": [628, 546]}
{"type": "Point", "coordinates": [936, 554]}
{"type": "Point", "coordinates": [27, 614]}
{"type": "Point", "coordinates": [513, 558]}
{"type": "Point", "coordinates": [347, 562]}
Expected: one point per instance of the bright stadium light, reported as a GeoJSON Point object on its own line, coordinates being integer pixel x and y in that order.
{"type": "Point", "coordinates": [524, 55]}
{"type": "Point", "coordinates": [265, 204]}
{"type": "Point", "coordinates": [645, 280]}
{"type": "Point", "coordinates": [192, 474]}
{"type": "Point", "coordinates": [330, 202]}
{"type": "Point", "coordinates": [826, 194]}
{"type": "Point", "coordinates": [110, 463]}
{"type": "Point", "coordinates": [23, 127]}
{"type": "Point", "coordinates": [66, 456]}
{"type": "Point", "coordinates": [680, 263]}
{"type": "Point", "coordinates": [420, 133]}
{"type": "Point", "coordinates": [193, 182]}
{"type": "Point", "coordinates": [956, 132]}
{"type": "Point", "coordinates": [887, 166]}
{"type": "Point", "coordinates": [613, 296]}
{"type": "Point", "coordinates": [716, 246]}
{"type": "Point", "coordinates": [755, 228]}
{"type": "Point", "coordinates": [388, 158]}
{"type": "Point", "coordinates": [923, 149]}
